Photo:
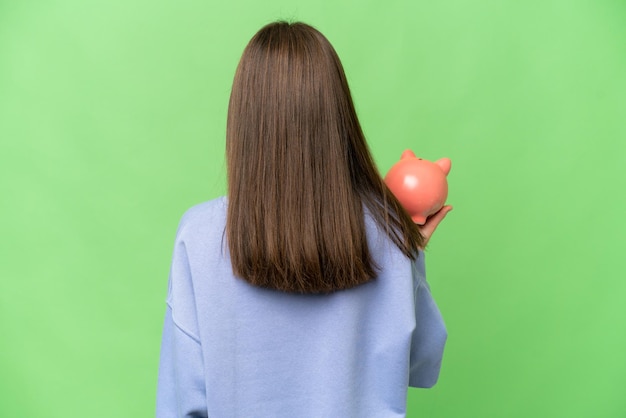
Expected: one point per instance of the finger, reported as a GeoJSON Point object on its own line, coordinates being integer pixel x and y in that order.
{"type": "Point", "coordinates": [433, 221]}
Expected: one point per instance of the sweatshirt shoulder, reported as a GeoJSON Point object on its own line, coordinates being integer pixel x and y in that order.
{"type": "Point", "coordinates": [212, 212]}
{"type": "Point", "coordinates": [381, 247]}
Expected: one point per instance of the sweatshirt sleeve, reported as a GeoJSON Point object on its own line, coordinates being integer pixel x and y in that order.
{"type": "Point", "coordinates": [430, 333]}
{"type": "Point", "coordinates": [181, 386]}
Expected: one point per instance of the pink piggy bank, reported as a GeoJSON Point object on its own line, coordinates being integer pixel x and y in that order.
{"type": "Point", "coordinates": [420, 185]}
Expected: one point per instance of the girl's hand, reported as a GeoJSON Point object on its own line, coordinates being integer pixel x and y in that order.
{"type": "Point", "coordinates": [428, 229]}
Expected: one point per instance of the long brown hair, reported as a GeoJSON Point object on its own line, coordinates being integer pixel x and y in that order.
{"type": "Point", "coordinates": [299, 170]}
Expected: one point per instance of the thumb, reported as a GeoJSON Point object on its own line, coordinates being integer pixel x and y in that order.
{"type": "Point", "coordinates": [428, 229]}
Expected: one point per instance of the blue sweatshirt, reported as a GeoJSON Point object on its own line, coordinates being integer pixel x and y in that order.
{"type": "Point", "coordinates": [231, 349]}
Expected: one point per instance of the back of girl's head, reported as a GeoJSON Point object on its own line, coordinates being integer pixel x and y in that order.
{"type": "Point", "coordinates": [299, 170]}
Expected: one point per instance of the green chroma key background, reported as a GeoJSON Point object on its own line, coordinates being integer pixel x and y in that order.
{"type": "Point", "coordinates": [112, 123]}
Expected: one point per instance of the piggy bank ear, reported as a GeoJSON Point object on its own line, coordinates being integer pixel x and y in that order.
{"type": "Point", "coordinates": [445, 164]}
{"type": "Point", "coordinates": [407, 154]}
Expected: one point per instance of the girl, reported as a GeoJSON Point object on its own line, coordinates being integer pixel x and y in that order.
{"type": "Point", "coordinates": [302, 293]}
